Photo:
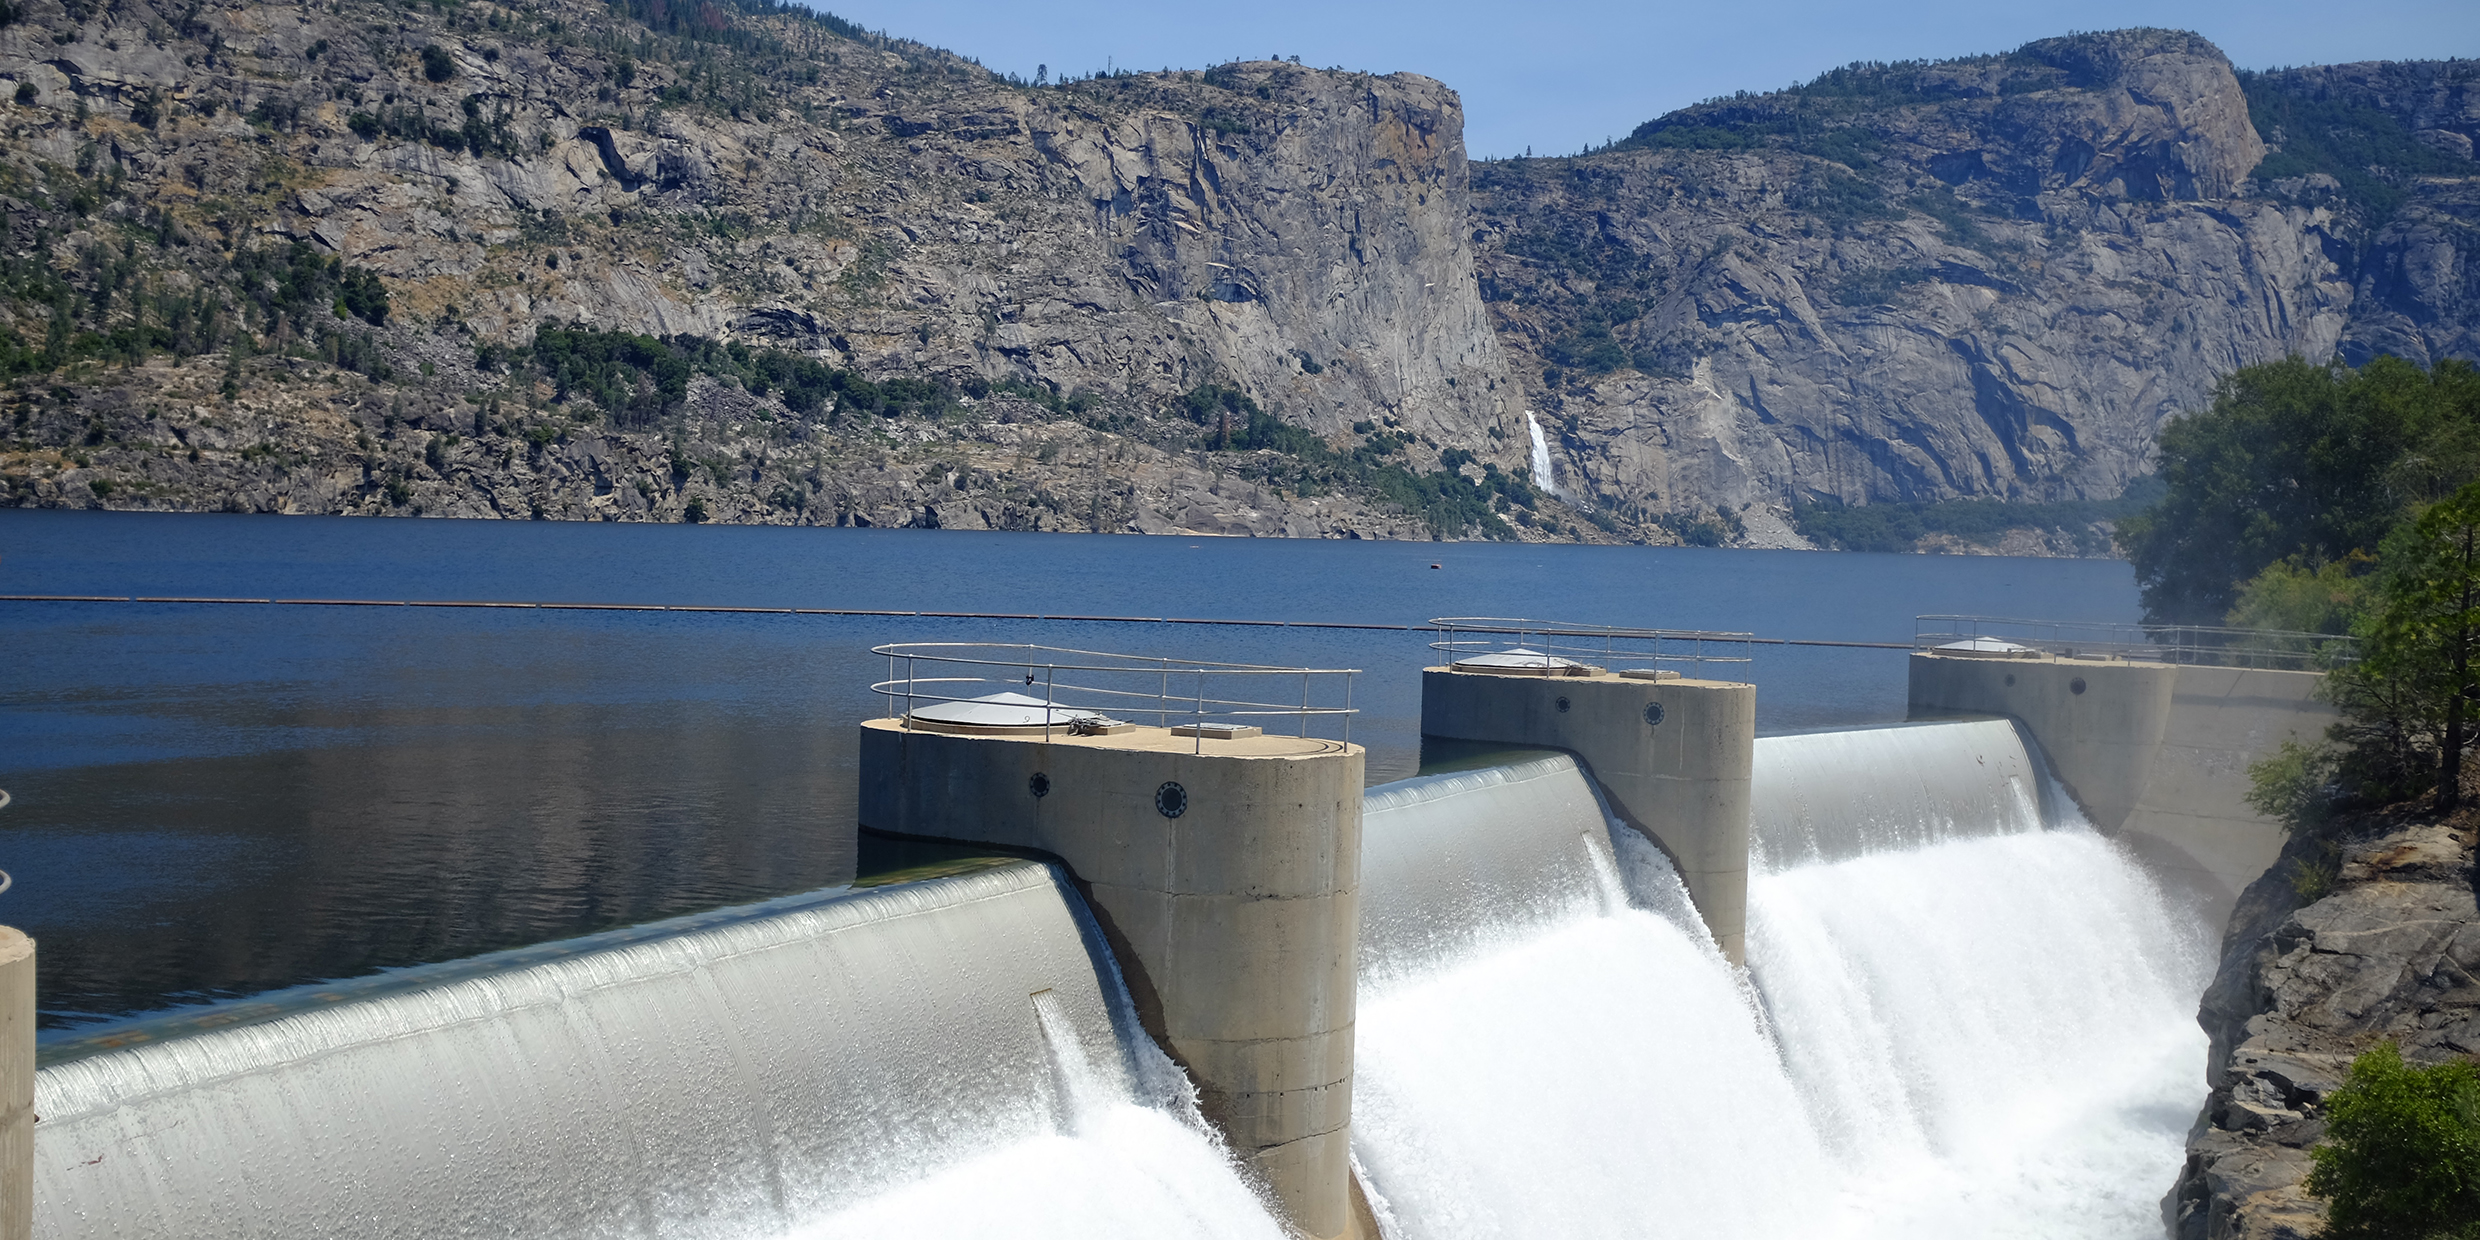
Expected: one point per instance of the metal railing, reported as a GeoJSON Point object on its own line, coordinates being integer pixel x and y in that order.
{"type": "Point", "coordinates": [2154, 643]}
{"type": "Point", "coordinates": [1603, 645]}
{"type": "Point", "coordinates": [1072, 688]}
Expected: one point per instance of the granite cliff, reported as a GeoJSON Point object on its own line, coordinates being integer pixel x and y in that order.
{"type": "Point", "coordinates": [1992, 277]}
{"type": "Point", "coordinates": [1044, 274]}
{"type": "Point", "coordinates": [1254, 299]}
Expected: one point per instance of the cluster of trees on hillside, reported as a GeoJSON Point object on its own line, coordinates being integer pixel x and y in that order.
{"type": "Point", "coordinates": [1900, 527]}
{"type": "Point", "coordinates": [2331, 500]}
{"type": "Point", "coordinates": [2328, 499]}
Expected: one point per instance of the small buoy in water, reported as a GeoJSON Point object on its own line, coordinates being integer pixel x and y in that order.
{"type": "Point", "coordinates": [1437, 566]}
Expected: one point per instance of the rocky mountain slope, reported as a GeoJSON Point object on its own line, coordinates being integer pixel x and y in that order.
{"type": "Point", "coordinates": [2333, 950]}
{"type": "Point", "coordinates": [304, 257]}
{"type": "Point", "coordinates": [1988, 277]}
{"type": "Point", "coordinates": [1015, 307]}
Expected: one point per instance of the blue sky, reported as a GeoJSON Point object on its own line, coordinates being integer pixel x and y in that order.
{"type": "Point", "coordinates": [1558, 77]}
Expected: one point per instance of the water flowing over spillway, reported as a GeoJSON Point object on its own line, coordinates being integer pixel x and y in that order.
{"type": "Point", "coordinates": [1959, 1019]}
{"type": "Point", "coordinates": [946, 1054]}
{"type": "Point", "coordinates": [1582, 1066]}
{"type": "Point", "coordinates": [1965, 1015]}
{"type": "Point", "coordinates": [1833, 796]}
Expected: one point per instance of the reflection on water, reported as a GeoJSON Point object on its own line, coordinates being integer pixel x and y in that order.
{"type": "Point", "coordinates": [217, 801]}
{"type": "Point", "coordinates": [192, 879]}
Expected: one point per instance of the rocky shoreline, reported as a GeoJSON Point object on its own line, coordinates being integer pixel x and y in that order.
{"type": "Point", "coordinates": [2342, 944]}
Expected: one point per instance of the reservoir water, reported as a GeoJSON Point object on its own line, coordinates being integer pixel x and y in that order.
{"type": "Point", "coordinates": [213, 802]}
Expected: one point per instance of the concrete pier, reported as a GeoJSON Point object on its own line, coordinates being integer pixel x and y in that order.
{"type": "Point", "coordinates": [1671, 755]}
{"type": "Point", "coordinates": [2155, 754]}
{"type": "Point", "coordinates": [1225, 874]}
{"type": "Point", "coordinates": [16, 1085]}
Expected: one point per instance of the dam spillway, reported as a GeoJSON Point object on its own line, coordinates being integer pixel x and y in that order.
{"type": "Point", "coordinates": [1833, 796]}
{"type": "Point", "coordinates": [1963, 1014]}
{"type": "Point", "coordinates": [815, 1072]}
{"type": "Point", "coordinates": [1962, 1009]}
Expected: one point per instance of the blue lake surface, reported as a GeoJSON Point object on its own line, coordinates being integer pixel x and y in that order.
{"type": "Point", "coordinates": [216, 801]}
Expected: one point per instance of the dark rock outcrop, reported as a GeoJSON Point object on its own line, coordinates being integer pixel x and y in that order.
{"type": "Point", "coordinates": [2392, 952]}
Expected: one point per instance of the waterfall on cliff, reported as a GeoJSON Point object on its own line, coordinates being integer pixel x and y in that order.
{"type": "Point", "coordinates": [1542, 475]}
{"type": "Point", "coordinates": [948, 1058]}
{"type": "Point", "coordinates": [1959, 1019]}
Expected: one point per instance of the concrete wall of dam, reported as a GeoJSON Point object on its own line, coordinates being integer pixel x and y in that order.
{"type": "Point", "coordinates": [17, 1015]}
{"type": "Point", "coordinates": [1225, 874]}
{"type": "Point", "coordinates": [2155, 754]}
{"type": "Point", "coordinates": [1672, 756]}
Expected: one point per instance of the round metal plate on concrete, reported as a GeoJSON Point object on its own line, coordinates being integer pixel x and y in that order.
{"type": "Point", "coordinates": [1517, 661]}
{"type": "Point", "coordinates": [1653, 714]}
{"type": "Point", "coordinates": [1000, 714]}
{"type": "Point", "coordinates": [1040, 785]}
{"type": "Point", "coordinates": [1171, 800]}
{"type": "Point", "coordinates": [1563, 705]}
{"type": "Point", "coordinates": [1987, 646]}
{"type": "Point", "coordinates": [2076, 685]}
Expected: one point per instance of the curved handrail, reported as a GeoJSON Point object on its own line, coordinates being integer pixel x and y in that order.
{"type": "Point", "coordinates": [1459, 636]}
{"type": "Point", "coordinates": [1127, 662]}
{"type": "Point", "coordinates": [1074, 683]}
{"type": "Point", "coordinates": [2170, 643]}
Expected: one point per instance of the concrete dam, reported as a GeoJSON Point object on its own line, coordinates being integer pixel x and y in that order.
{"type": "Point", "coordinates": [1582, 977]}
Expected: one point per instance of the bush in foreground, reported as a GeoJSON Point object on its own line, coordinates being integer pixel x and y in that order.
{"type": "Point", "coordinates": [2401, 1156]}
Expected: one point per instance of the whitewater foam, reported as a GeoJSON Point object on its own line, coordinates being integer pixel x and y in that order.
{"type": "Point", "coordinates": [1974, 1028]}
{"type": "Point", "coordinates": [1994, 1036]}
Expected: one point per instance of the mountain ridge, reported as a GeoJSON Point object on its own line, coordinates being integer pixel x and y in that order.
{"type": "Point", "coordinates": [1252, 299]}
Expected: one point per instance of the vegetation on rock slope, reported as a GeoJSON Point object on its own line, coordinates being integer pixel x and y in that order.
{"type": "Point", "coordinates": [630, 262]}
{"type": "Point", "coordinates": [2341, 500]}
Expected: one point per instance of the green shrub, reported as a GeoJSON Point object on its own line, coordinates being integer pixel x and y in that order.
{"type": "Point", "coordinates": [1877, 288]}
{"type": "Point", "coordinates": [436, 64]}
{"type": "Point", "coordinates": [2401, 1155]}
{"type": "Point", "coordinates": [2313, 878]}
{"type": "Point", "coordinates": [2294, 786]}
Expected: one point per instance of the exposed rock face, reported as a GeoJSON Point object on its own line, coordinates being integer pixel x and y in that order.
{"type": "Point", "coordinates": [321, 442]}
{"type": "Point", "coordinates": [2418, 289]}
{"type": "Point", "coordinates": [881, 206]}
{"type": "Point", "coordinates": [1993, 277]}
{"type": "Point", "coordinates": [1335, 237]}
{"type": "Point", "coordinates": [2392, 953]}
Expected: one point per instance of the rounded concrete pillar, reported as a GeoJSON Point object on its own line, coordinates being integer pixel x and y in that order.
{"type": "Point", "coordinates": [16, 1085]}
{"type": "Point", "coordinates": [1226, 875]}
{"type": "Point", "coordinates": [1671, 755]}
